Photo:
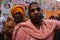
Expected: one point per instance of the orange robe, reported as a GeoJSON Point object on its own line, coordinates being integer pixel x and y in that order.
{"type": "Point", "coordinates": [27, 31]}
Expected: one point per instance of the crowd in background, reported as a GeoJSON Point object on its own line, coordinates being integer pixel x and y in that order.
{"type": "Point", "coordinates": [7, 21]}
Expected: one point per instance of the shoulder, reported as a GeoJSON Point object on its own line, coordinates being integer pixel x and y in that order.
{"type": "Point", "coordinates": [52, 22]}
{"type": "Point", "coordinates": [48, 20]}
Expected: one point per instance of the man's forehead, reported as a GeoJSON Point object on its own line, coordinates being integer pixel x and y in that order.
{"type": "Point", "coordinates": [34, 6]}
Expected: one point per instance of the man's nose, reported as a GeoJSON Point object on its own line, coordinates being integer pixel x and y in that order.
{"type": "Point", "coordinates": [36, 11]}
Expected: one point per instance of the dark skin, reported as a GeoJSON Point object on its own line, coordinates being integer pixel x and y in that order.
{"type": "Point", "coordinates": [18, 17]}
{"type": "Point", "coordinates": [36, 16]}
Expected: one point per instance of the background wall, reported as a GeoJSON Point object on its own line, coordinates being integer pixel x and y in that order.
{"type": "Point", "coordinates": [49, 6]}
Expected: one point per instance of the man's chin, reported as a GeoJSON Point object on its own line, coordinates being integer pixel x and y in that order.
{"type": "Point", "coordinates": [37, 20]}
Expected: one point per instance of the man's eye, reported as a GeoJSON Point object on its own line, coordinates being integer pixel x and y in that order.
{"type": "Point", "coordinates": [33, 10]}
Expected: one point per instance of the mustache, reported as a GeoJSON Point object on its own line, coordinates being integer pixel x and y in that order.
{"type": "Point", "coordinates": [37, 16]}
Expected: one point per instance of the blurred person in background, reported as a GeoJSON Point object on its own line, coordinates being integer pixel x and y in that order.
{"type": "Point", "coordinates": [2, 21]}
{"type": "Point", "coordinates": [18, 16]}
{"type": "Point", "coordinates": [52, 17]}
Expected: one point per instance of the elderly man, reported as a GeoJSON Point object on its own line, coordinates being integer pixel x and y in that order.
{"type": "Point", "coordinates": [18, 16]}
{"type": "Point", "coordinates": [36, 28]}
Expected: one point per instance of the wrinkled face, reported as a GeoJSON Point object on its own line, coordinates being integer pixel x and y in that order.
{"type": "Point", "coordinates": [18, 17]}
{"type": "Point", "coordinates": [35, 12]}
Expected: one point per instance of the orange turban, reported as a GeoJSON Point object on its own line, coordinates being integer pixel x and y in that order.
{"type": "Point", "coordinates": [17, 8]}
